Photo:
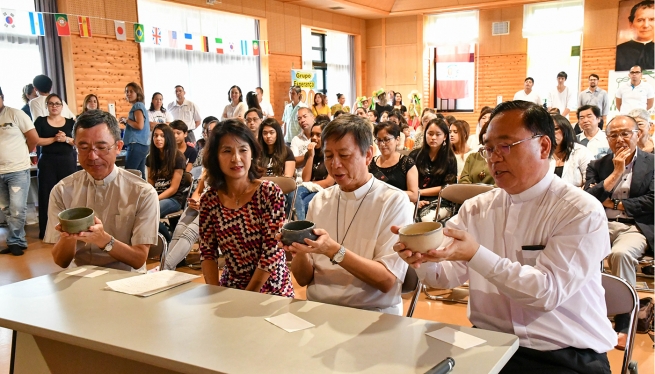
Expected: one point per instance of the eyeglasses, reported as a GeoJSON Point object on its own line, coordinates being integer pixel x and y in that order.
{"type": "Point", "coordinates": [55, 104]}
{"type": "Point", "coordinates": [252, 120]}
{"type": "Point", "coordinates": [383, 141]}
{"type": "Point", "coordinates": [100, 150]}
{"type": "Point", "coordinates": [502, 149]}
{"type": "Point", "coordinates": [626, 135]}
{"type": "Point", "coordinates": [635, 72]}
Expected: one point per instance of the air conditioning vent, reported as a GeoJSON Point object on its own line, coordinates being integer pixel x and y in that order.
{"type": "Point", "coordinates": [337, 8]}
{"type": "Point", "coordinates": [500, 28]}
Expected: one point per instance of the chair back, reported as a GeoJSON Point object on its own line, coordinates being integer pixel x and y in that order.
{"type": "Point", "coordinates": [405, 152]}
{"type": "Point", "coordinates": [621, 298]}
{"type": "Point", "coordinates": [286, 184]}
{"type": "Point", "coordinates": [411, 284]}
{"type": "Point", "coordinates": [159, 250]}
{"type": "Point", "coordinates": [459, 193]}
{"type": "Point", "coordinates": [196, 171]}
{"type": "Point", "coordinates": [135, 172]}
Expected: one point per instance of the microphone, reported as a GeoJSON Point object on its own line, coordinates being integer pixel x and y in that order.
{"type": "Point", "coordinates": [443, 367]}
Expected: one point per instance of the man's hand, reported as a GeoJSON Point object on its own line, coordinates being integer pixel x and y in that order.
{"type": "Point", "coordinates": [96, 235]}
{"type": "Point", "coordinates": [619, 159]}
{"type": "Point", "coordinates": [463, 247]}
{"type": "Point", "coordinates": [323, 245]}
{"type": "Point", "coordinates": [414, 259]}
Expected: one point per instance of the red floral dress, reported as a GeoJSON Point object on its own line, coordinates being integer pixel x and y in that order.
{"type": "Point", "coordinates": [247, 238]}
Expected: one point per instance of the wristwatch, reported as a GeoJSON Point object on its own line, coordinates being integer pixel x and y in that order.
{"type": "Point", "coordinates": [109, 245]}
{"type": "Point", "coordinates": [616, 203]}
{"type": "Point", "coordinates": [338, 257]}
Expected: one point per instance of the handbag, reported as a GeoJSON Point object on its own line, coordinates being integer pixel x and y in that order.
{"type": "Point", "coordinates": [645, 315]}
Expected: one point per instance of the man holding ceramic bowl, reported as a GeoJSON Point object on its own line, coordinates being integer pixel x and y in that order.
{"type": "Point", "coordinates": [531, 251]}
{"type": "Point", "coordinates": [125, 208]}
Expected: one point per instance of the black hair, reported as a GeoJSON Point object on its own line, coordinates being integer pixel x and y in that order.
{"type": "Point", "coordinates": [346, 124]}
{"type": "Point", "coordinates": [529, 79]}
{"type": "Point", "coordinates": [594, 75]}
{"type": "Point", "coordinates": [568, 135]}
{"type": "Point", "coordinates": [396, 113]}
{"type": "Point", "coordinates": [259, 88]}
{"type": "Point", "coordinates": [535, 118]}
{"type": "Point", "coordinates": [27, 90]}
{"type": "Point", "coordinates": [375, 113]}
{"type": "Point", "coordinates": [152, 107]}
{"type": "Point", "coordinates": [339, 96]}
{"type": "Point", "coordinates": [256, 110]}
{"type": "Point", "coordinates": [483, 131]}
{"type": "Point", "coordinates": [643, 4]}
{"type": "Point", "coordinates": [205, 125]}
{"type": "Point", "coordinates": [388, 126]}
{"type": "Point", "coordinates": [483, 112]}
{"type": "Point", "coordinates": [321, 118]}
{"type": "Point", "coordinates": [594, 109]}
{"type": "Point", "coordinates": [278, 157]}
{"type": "Point", "coordinates": [338, 113]}
{"type": "Point", "coordinates": [234, 127]}
{"type": "Point", "coordinates": [162, 167]}
{"type": "Point", "coordinates": [51, 96]}
{"type": "Point", "coordinates": [394, 97]}
{"type": "Point", "coordinates": [252, 101]}
{"type": "Point", "coordinates": [563, 75]}
{"type": "Point", "coordinates": [445, 155]}
{"type": "Point", "coordinates": [179, 87]}
{"type": "Point", "coordinates": [43, 83]}
{"type": "Point", "coordinates": [450, 119]}
{"type": "Point", "coordinates": [179, 125]}
{"type": "Point", "coordinates": [229, 97]}
{"type": "Point", "coordinates": [93, 118]}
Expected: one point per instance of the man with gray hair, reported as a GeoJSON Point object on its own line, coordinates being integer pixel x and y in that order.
{"type": "Point", "coordinates": [352, 263]}
{"type": "Point", "coordinates": [126, 207]}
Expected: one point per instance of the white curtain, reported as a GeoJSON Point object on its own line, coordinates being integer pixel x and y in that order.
{"type": "Point", "coordinates": [306, 37]}
{"type": "Point", "coordinates": [338, 55]}
{"type": "Point", "coordinates": [205, 76]}
{"type": "Point", "coordinates": [456, 28]}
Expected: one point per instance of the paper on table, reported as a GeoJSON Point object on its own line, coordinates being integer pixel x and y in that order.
{"type": "Point", "coordinates": [82, 272]}
{"type": "Point", "coordinates": [95, 274]}
{"type": "Point", "coordinates": [289, 322]}
{"type": "Point", "coordinates": [456, 338]}
{"type": "Point", "coordinates": [76, 272]}
{"type": "Point", "coordinates": [150, 284]}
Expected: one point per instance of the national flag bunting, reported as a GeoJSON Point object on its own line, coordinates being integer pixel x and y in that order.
{"type": "Point", "coordinates": [9, 19]}
{"type": "Point", "coordinates": [119, 30]}
{"type": "Point", "coordinates": [204, 44]}
{"type": "Point", "coordinates": [172, 39]}
{"type": "Point", "coordinates": [255, 47]}
{"type": "Point", "coordinates": [231, 48]}
{"type": "Point", "coordinates": [85, 26]}
{"type": "Point", "coordinates": [156, 36]}
{"type": "Point", "coordinates": [36, 23]}
{"type": "Point", "coordinates": [139, 35]}
{"type": "Point", "coordinates": [244, 47]}
{"type": "Point", "coordinates": [188, 40]}
{"type": "Point", "coordinates": [63, 27]}
{"type": "Point", "coordinates": [219, 45]}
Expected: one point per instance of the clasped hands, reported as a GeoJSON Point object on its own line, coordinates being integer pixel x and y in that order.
{"type": "Point", "coordinates": [95, 235]}
{"type": "Point", "coordinates": [60, 137]}
{"type": "Point", "coordinates": [462, 248]}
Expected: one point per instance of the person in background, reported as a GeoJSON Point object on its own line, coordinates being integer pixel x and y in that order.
{"type": "Point", "coordinates": [186, 111]}
{"type": "Point", "coordinates": [361, 112]}
{"type": "Point", "coordinates": [18, 137]}
{"type": "Point", "coordinates": [29, 93]}
{"type": "Point", "coordinates": [253, 119]}
{"type": "Point", "coordinates": [597, 96]}
{"type": "Point", "coordinates": [137, 133]}
{"type": "Point", "coordinates": [157, 113]}
{"type": "Point", "coordinates": [58, 158]}
{"type": "Point", "coordinates": [290, 116]}
{"type": "Point", "coordinates": [459, 136]}
{"type": "Point", "coordinates": [476, 169]}
{"type": "Point", "coordinates": [398, 102]}
{"type": "Point", "coordinates": [90, 103]}
{"type": "Point", "coordinates": [300, 142]}
{"type": "Point", "coordinates": [322, 118]}
{"type": "Point", "coordinates": [450, 119]}
{"type": "Point", "coordinates": [43, 86]}
{"type": "Point", "coordinates": [236, 108]}
{"type": "Point", "coordinates": [372, 116]}
{"type": "Point", "coordinates": [277, 158]}
{"type": "Point", "coordinates": [320, 105]}
{"type": "Point", "coordinates": [645, 142]}
{"type": "Point", "coordinates": [341, 98]}
{"type": "Point", "coordinates": [409, 142]}
{"type": "Point", "coordinates": [338, 113]}
{"type": "Point", "coordinates": [267, 108]}
{"type": "Point", "coordinates": [562, 97]}
{"type": "Point", "coordinates": [382, 103]}
{"type": "Point", "coordinates": [634, 94]}
{"type": "Point", "coordinates": [392, 167]}
{"type": "Point", "coordinates": [436, 164]}
{"type": "Point", "coordinates": [241, 214]}
{"type": "Point", "coordinates": [190, 153]}
{"type": "Point", "coordinates": [527, 93]}
{"type": "Point", "coordinates": [420, 130]}
{"type": "Point", "coordinates": [252, 101]}
{"type": "Point", "coordinates": [485, 112]}
{"type": "Point", "coordinates": [207, 124]}
{"type": "Point", "coordinates": [384, 117]}
{"type": "Point", "coordinates": [570, 158]}
{"type": "Point", "coordinates": [591, 136]}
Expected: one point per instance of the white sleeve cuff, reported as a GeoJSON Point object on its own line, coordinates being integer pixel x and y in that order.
{"type": "Point", "coordinates": [483, 261]}
{"type": "Point", "coordinates": [428, 270]}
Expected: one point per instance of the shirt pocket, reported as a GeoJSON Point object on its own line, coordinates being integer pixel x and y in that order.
{"type": "Point", "coordinates": [123, 227]}
{"type": "Point", "coordinates": [529, 254]}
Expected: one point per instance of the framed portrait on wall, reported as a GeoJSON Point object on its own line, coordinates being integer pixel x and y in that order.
{"type": "Point", "coordinates": [634, 39]}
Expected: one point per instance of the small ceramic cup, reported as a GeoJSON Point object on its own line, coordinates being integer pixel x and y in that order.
{"type": "Point", "coordinates": [297, 231]}
{"type": "Point", "coordinates": [76, 220]}
{"type": "Point", "coordinates": [421, 236]}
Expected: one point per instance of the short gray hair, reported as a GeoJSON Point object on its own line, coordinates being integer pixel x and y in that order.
{"type": "Point", "coordinates": [346, 124]}
{"type": "Point", "coordinates": [639, 113]}
{"type": "Point", "coordinates": [92, 118]}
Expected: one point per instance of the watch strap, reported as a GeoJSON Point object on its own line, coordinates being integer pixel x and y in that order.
{"type": "Point", "coordinates": [616, 203]}
{"type": "Point", "coordinates": [109, 246]}
{"type": "Point", "coordinates": [338, 257]}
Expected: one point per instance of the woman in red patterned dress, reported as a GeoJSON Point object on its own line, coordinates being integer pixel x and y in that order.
{"type": "Point", "coordinates": [241, 214]}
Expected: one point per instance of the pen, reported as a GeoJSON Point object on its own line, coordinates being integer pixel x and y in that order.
{"type": "Point", "coordinates": [443, 367]}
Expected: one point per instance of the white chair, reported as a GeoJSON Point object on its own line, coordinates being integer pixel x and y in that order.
{"type": "Point", "coordinates": [621, 298]}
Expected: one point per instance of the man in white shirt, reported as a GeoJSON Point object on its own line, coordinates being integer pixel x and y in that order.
{"type": "Point", "coordinates": [634, 94]}
{"type": "Point", "coordinates": [300, 142]}
{"type": "Point", "coordinates": [186, 111]}
{"type": "Point", "coordinates": [290, 124]}
{"type": "Point", "coordinates": [43, 85]}
{"type": "Point", "coordinates": [531, 251]}
{"type": "Point", "coordinates": [267, 108]}
{"type": "Point", "coordinates": [17, 137]}
{"type": "Point", "coordinates": [562, 97]}
{"type": "Point", "coordinates": [352, 263]}
{"type": "Point", "coordinates": [527, 94]}
{"type": "Point", "coordinates": [596, 96]}
{"type": "Point", "coordinates": [591, 136]}
{"type": "Point", "coordinates": [623, 182]}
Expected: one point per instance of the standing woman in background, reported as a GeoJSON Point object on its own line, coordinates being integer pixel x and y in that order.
{"type": "Point", "coordinates": [29, 93]}
{"type": "Point", "coordinates": [253, 101]}
{"type": "Point", "coordinates": [157, 113]}
{"type": "Point", "coordinates": [90, 103]}
{"type": "Point", "coordinates": [137, 131]}
{"type": "Point", "coordinates": [320, 105]}
{"type": "Point", "coordinates": [236, 108]}
{"type": "Point", "coordinates": [58, 157]}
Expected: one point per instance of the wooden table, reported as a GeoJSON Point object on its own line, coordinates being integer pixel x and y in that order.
{"type": "Point", "coordinates": [68, 324]}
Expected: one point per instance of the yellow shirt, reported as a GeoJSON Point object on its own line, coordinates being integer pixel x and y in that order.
{"type": "Point", "coordinates": [324, 110]}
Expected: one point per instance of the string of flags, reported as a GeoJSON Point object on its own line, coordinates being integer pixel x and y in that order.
{"type": "Point", "coordinates": [31, 23]}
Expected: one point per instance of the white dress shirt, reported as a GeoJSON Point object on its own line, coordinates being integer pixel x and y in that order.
{"type": "Point", "coordinates": [562, 100]}
{"type": "Point", "coordinates": [550, 298]}
{"type": "Point", "coordinates": [187, 112]}
{"type": "Point", "coordinates": [368, 237]}
{"type": "Point", "coordinates": [267, 109]}
{"type": "Point", "coordinates": [533, 96]}
{"type": "Point", "coordinates": [575, 168]}
{"type": "Point", "coordinates": [39, 108]}
{"type": "Point", "coordinates": [597, 146]}
{"type": "Point", "coordinates": [299, 145]}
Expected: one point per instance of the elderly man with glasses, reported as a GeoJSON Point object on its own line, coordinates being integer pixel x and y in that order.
{"type": "Point", "coordinates": [126, 207]}
{"type": "Point", "coordinates": [623, 182]}
{"type": "Point", "coordinates": [530, 250]}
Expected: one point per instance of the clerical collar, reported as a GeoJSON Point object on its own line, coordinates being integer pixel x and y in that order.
{"type": "Point", "coordinates": [534, 191]}
{"type": "Point", "coordinates": [361, 191]}
{"type": "Point", "coordinates": [108, 179]}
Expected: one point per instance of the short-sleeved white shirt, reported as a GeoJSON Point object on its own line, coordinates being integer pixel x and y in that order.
{"type": "Point", "coordinates": [187, 112]}
{"type": "Point", "coordinates": [39, 108]}
{"type": "Point", "coordinates": [634, 97]}
{"type": "Point", "coordinates": [14, 155]}
{"type": "Point", "coordinates": [160, 117]}
{"type": "Point", "coordinates": [533, 96]}
{"type": "Point", "coordinates": [267, 109]}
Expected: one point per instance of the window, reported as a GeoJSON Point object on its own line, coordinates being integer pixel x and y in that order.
{"type": "Point", "coordinates": [454, 59]}
{"type": "Point", "coordinates": [318, 61]}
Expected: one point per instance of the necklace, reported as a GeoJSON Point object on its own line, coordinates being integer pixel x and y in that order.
{"type": "Point", "coordinates": [239, 197]}
{"type": "Point", "coordinates": [353, 219]}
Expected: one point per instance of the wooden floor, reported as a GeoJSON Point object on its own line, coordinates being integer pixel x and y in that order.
{"type": "Point", "coordinates": [37, 261]}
